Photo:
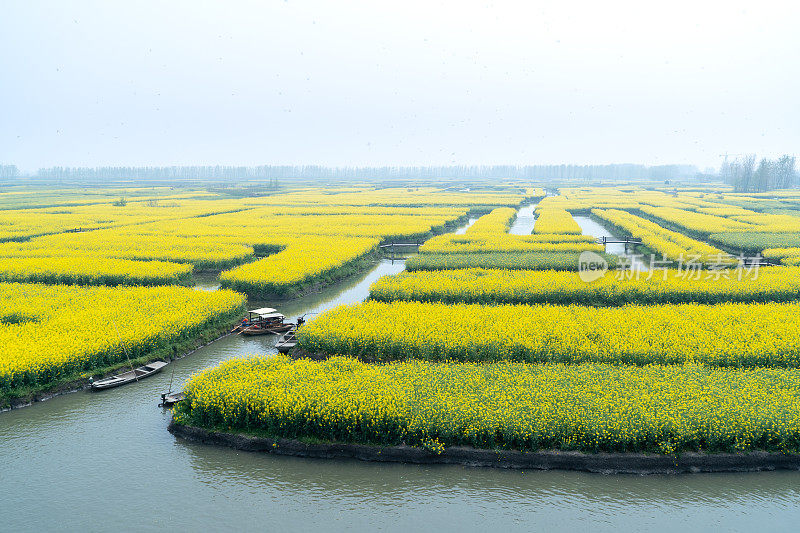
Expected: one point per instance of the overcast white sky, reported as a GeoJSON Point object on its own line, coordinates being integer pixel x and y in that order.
{"type": "Point", "coordinates": [373, 83]}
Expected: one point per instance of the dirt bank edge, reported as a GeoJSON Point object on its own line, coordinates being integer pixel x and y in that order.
{"type": "Point", "coordinates": [605, 463]}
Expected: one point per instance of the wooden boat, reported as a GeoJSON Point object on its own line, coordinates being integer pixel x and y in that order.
{"type": "Point", "coordinates": [263, 321]}
{"type": "Point", "coordinates": [129, 376]}
{"type": "Point", "coordinates": [257, 329]}
{"type": "Point", "coordinates": [168, 399]}
{"type": "Point", "coordinates": [287, 341]}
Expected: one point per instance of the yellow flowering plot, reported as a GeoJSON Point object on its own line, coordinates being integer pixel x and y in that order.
{"type": "Point", "coordinates": [705, 200]}
{"type": "Point", "coordinates": [304, 258]}
{"type": "Point", "coordinates": [439, 211]}
{"type": "Point", "coordinates": [510, 243]}
{"type": "Point", "coordinates": [21, 224]}
{"type": "Point", "coordinates": [393, 196]}
{"type": "Point", "coordinates": [754, 242]}
{"type": "Point", "coordinates": [210, 237]}
{"type": "Point", "coordinates": [49, 332]}
{"type": "Point", "coordinates": [675, 246]}
{"type": "Point", "coordinates": [128, 243]}
{"type": "Point", "coordinates": [500, 260]}
{"type": "Point", "coordinates": [489, 235]}
{"type": "Point", "coordinates": [730, 334]}
{"type": "Point", "coordinates": [613, 288]}
{"type": "Point", "coordinates": [88, 270]}
{"type": "Point", "coordinates": [726, 211]}
{"type": "Point", "coordinates": [575, 199]}
{"type": "Point", "coordinates": [772, 223]}
{"type": "Point", "coordinates": [555, 221]}
{"type": "Point", "coordinates": [387, 226]}
{"type": "Point", "coordinates": [589, 407]}
{"type": "Point", "coordinates": [36, 197]}
{"type": "Point", "coordinates": [787, 256]}
{"type": "Point", "coordinates": [494, 223]}
{"type": "Point", "coordinates": [700, 223]}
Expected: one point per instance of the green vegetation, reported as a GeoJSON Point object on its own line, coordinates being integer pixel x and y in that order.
{"type": "Point", "coordinates": [754, 242]}
{"type": "Point", "coordinates": [505, 260]}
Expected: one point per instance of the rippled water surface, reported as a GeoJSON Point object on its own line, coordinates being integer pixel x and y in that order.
{"type": "Point", "coordinates": [105, 461]}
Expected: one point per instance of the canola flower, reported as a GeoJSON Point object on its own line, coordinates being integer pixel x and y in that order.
{"type": "Point", "coordinates": [670, 244]}
{"type": "Point", "coordinates": [701, 223]}
{"type": "Point", "coordinates": [35, 197]}
{"type": "Point", "coordinates": [497, 286]}
{"type": "Point", "coordinates": [756, 241]}
{"type": "Point", "coordinates": [87, 270]}
{"type": "Point", "coordinates": [787, 256]}
{"type": "Point", "coordinates": [24, 223]}
{"type": "Point", "coordinates": [500, 260]}
{"type": "Point", "coordinates": [728, 334]}
{"type": "Point", "coordinates": [149, 243]}
{"type": "Point", "coordinates": [494, 223]}
{"type": "Point", "coordinates": [510, 243]}
{"type": "Point", "coordinates": [587, 407]}
{"type": "Point", "coordinates": [551, 220]}
{"type": "Point", "coordinates": [726, 211]}
{"type": "Point", "coordinates": [772, 223]}
{"type": "Point", "coordinates": [49, 332]}
{"type": "Point", "coordinates": [489, 235]}
{"type": "Point", "coordinates": [391, 197]}
{"type": "Point", "coordinates": [305, 259]}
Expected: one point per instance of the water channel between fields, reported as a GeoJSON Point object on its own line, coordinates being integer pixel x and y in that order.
{"type": "Point", "coordinates": [104, 461]}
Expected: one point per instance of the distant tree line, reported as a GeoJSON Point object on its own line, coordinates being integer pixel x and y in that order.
{"type": "Point", "coordinates": [537, 172]}
{"type": "Point", "coordinates": [767, 175]}
{"type": "Point", "coordinates": [9, 171]}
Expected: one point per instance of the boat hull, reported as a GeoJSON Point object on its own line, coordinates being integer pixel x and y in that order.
{"type": "Point", "coordinates": [265, 331]}
{"type": "Point", "coordinates": [287, 342]}
{"type": "Point", "coordinates": [168, 400]}
{"type": "Point", "coordinates": [129, 376]}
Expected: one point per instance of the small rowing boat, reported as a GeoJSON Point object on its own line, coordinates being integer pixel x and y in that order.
{"type": "Point", "coordinates": [128, 377]}
{"type": "Point", "coordinates": [287, 341]}
{"type": "Point", "coordinates": [170, 399]}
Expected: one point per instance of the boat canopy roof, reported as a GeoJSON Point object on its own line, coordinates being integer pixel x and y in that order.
{"type": "Point", "coordinates": [263, 311]}
{"type": "Point", "coordinates": [272, 315]}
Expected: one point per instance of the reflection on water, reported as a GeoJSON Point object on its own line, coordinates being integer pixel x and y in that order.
{"type": "Point", "coordinates": [595, 229]}
{"type": "Point", "coordinates": [523, 224]}
{"type": "Point", "coordinates": [206, 281]}
{"type": "Point", "coordinates": [463, 229]}
{"type": "Point", "coordinates": [104, 461]}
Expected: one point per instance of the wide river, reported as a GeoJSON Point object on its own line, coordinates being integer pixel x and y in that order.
{"type": "Point", "coordinates": [105, 461]}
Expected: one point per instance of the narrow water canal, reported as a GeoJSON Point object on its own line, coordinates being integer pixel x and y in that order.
{"type": "Point", "coordinates": [105, 461]}
{"type": "Point", "coordinates": [597, 230]}
{"type": "Point", "coordinates": [523, 224]}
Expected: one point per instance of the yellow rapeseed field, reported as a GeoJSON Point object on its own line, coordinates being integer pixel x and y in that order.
{"type": "Point", "coordinates": [49, 332]}
{"type": "Point", "coordinates": [489, 234]}
{"type": "Point", "coordinates": [729, 334]}
{"type": "Point", "coordinates": [144, 242]}
{"type": "Point", "coordinates": [550, 220]}
{"type": "Point", "coordinates": [670, 244]}
{"type": "Point", "coordinates": [500, 286]}
{"type": "Point", "coordinates": [588, 407]}
{"type": "Point", "coordinates": [500, 260]}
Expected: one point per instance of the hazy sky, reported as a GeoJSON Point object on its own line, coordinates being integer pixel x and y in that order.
{"type": "Point", "coordinates": [373, 83]}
